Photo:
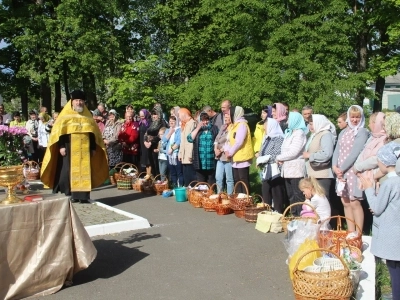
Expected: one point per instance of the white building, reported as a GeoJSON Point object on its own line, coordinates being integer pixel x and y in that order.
{"type": "Point", "coordinates": [391, 93]}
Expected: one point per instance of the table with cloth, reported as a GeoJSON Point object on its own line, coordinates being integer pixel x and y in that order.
{"type": "Point", "coordinates": [42, 245]}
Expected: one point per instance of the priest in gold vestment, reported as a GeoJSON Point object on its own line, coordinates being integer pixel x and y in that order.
{"type": "Point", "coordinates": [75, 159]}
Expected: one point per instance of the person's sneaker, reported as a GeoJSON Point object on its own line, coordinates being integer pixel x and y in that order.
{"type": "Point", "coordinates": [84, 201]}
{"type": "Point", "coordinates": [73, 200]}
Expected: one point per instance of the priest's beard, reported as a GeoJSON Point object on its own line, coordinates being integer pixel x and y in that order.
{"type": "Point", "coordinates": [78, 109]}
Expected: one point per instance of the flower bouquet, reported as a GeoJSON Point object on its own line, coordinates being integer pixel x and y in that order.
{"type": "Point", "coordinates": [12, 145]}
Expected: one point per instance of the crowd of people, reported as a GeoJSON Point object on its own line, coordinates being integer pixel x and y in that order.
{"type": "Point", "coordinates": [299, 156]}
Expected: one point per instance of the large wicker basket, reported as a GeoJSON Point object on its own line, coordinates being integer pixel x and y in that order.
{"type": "Point", "coordinates": [124, 181]}
{"type": "Point", "coordinates": [286, 219]}
{"type": "Point", "coordinates": [238, 204]}
{"type": "Point", "coordinates": [223, 207]}
{"type": "Point", "coordinates": [251, 211]}
{"type": "Point", "coordinates": [31, 170]}
{"type": "Point", "coordinates": [327, 238]}
{"type": "Point", "coordinates": [210, 199]}
{"type": "Point", "coordinates": [160, 186]}
{"type": "Point", "coordinates": [196, 195]}
{"type": "Point", "coordinates": [342, 244]}
{"type": "Point", "coordinates": [335, 284]}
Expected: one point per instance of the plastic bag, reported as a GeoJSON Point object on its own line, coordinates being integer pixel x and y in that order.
{"type": "Point", "coordinates": [303, 231]}
{"type": "Point", "coordinates": [306, 261]}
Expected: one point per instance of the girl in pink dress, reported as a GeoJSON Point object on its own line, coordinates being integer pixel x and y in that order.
{"type": "Point", "coordinates": [350, 143]}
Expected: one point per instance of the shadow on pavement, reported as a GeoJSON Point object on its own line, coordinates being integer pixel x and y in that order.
{"type": "Point", "coordinates": [113, 258]}
{"type": "Point", "coordinates": [116, 200]}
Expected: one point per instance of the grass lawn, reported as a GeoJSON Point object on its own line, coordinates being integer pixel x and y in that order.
{"type": "Point", "coordinates": [382, 280]}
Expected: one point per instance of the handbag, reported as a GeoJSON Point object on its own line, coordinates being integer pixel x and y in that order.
{"type": "Point", "coordinates": [268, 221]}
{"type": "Point", "coordinates": [320, 165]}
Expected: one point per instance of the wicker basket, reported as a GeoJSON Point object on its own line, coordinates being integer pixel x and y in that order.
{"type": "Point", "coordinates": [210, 200]}
{"type": "Point", "coordinates": [317, 284]}
{"type": "Point", "coordinates": [148, 185]}
{"type": "Point", "coordinates": [196, 195]}
{"type": "Point", "coordinates": [287, 219]}
{"type": "Point", "coordinates": [160, 187]}
{"type": "Point", "coordinates": [221, 207]}
{"type": "Point", "coordinates": [117, 169]}
{"type": "Point", "coordinates": [327, 238]}
{"type": "Point", "coordinates": [31, 170]}
{"type": "Point", "coordinates": [124, 181]}
{"type": "Point", "coordinates": [137, 183]}
{"type": "Point", "coordinates": [251, 212]}
{"type": "Point", "coordinates": [190, 189]}
{"type": "Point", "coordinates": [238, 204]}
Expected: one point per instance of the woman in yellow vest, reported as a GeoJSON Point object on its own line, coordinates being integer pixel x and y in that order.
{"type": "Point", "coordinates": [239, 149]}
{"type": "Point", "coordinates": [259, 132]}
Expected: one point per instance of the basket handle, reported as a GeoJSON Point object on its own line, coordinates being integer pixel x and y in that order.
{"type": "Point", "coordinates": [189, 185]}
{"type": "Point", "coordinates": [245, 186]}
{"type": "Point", "coordinates": [320, 250]}
{"type": "Point", "coordinates": [31, 164]}
{"type": "Point", "coordinates": [339, 223]}
{"type": "Point", "coordinates": [256, 197]}
{"type": "Point", "coordinates": [140, 174]}
{"type": "Point", "coordinates": [159, 175]}
{"type": "Point", "coordinates": [213, 186]}
{"type": "Point", "coordinates": [204, 183]}
{"type": "Point", "coordinates": [300, 203]}
{"type": "Point", "coordinates": [118, 165]}
{"type": "Point", "coordinates": [128, 164]}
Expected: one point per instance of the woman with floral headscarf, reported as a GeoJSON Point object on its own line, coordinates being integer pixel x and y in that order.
{"type": "Point", "coordinates": [43, 135]}
{"type": "Point", "coordinates": [291, 158]}
{"type": "Point", "coordinates": [350, 143]}
{"type": "Point", "coordinates": [273, 185]}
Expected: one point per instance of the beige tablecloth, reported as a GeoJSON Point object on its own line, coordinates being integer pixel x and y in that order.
{"type": "Point", "coordinates": [42, 244]}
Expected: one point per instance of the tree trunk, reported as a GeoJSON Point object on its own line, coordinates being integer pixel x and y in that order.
{"type": "Point", "coordinates": [89, 87]}
{"type": "Point", "coordinates": [45, 93]}
{"type": "Point", "coordinates": [24, 104]}
{"type": "Point", "coordinates": [57, 96]}
{"type": "Point", "coordinates": [379, 87]}
{"type": "Point", "coordinates": [362, 62]}
{"type": "Point", "coordinates": [65, 78]}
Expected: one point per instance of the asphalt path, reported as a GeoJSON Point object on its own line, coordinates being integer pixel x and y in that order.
{"type": "Point", "coordinates": [186, 254]}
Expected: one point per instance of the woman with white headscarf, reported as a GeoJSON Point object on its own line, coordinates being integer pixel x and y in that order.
{"type": "Point", "coordinates": [273, 185]}
{"type": "Point", "coordinates": [350, 143]}
{"type": "Point", "coordinates": [239, 149]}
{"type": "Point", "coordinates": [319, 150]}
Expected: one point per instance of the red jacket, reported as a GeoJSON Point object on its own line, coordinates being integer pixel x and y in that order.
{"type": "Point", "coordinates": [129, 134]}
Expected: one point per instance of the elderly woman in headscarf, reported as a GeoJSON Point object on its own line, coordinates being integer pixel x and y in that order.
{"type": "Point", "coordinates": [151, 139]}
{"type": "Point", "coordinates": [114, 138]}
{"type": "Point", "coordinates": [185, 154]}
{"type": "Point", "coordinates": [350, 143]}
{"type": "Point", "coordinates": [259, 132]}
{"type": "Point", "coordinates": [144, 123]}
{"type": "Point", "coordinates": [239, 149]}
{"type": "Point", "coordinates": [273, 185]}
{"type": "Point", "coordinates": [203, 137]}
{"type": "Point", "coordinates": [291, 158]}
{"type": "Point", "coordinates": [319, 150]}
{"type": "Point", "coordinates": [280, 114]}
{"type": "Point", "coordinates": [43, 135]}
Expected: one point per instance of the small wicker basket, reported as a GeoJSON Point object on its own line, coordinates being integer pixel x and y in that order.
{"type": "Point", "coordinates": [342, 244]}
{"type": "Point", "coordinates": [148, 184]}
{"type": "Point", "coordinates": [251, 211]}
{"type": "Point", "coordinates": [327, 238]}
{"type": "Point", "coordinates": [31, 170]}
{"type": "Point", "coordinates": [315, 283]}
{"type": "Point", "coordinates": [210, 200]}
{"type": "Point", "coordinates": [190, 189]}
{"type": "Point", "coordinates": [223, 207]}
{"type": "Point", "coordinates": [160, 187]}
{"type": "Point", "coordinates": [286, 219]}
{"type": "Point", "coordinates": [117, 169]}
{"type": "Point", "coordinates": [238, 204]}
{"type": "Point", "coordinates": [197, 194]}
{"type": "Point", "coordinates": [137, 183]}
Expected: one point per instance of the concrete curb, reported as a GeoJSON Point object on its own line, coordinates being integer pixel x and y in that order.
{"type": "Point", "coordinates": [135, 223]}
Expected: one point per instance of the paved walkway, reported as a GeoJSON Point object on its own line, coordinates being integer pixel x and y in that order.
{"type": "Point", "coordinates": [187, 254]}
